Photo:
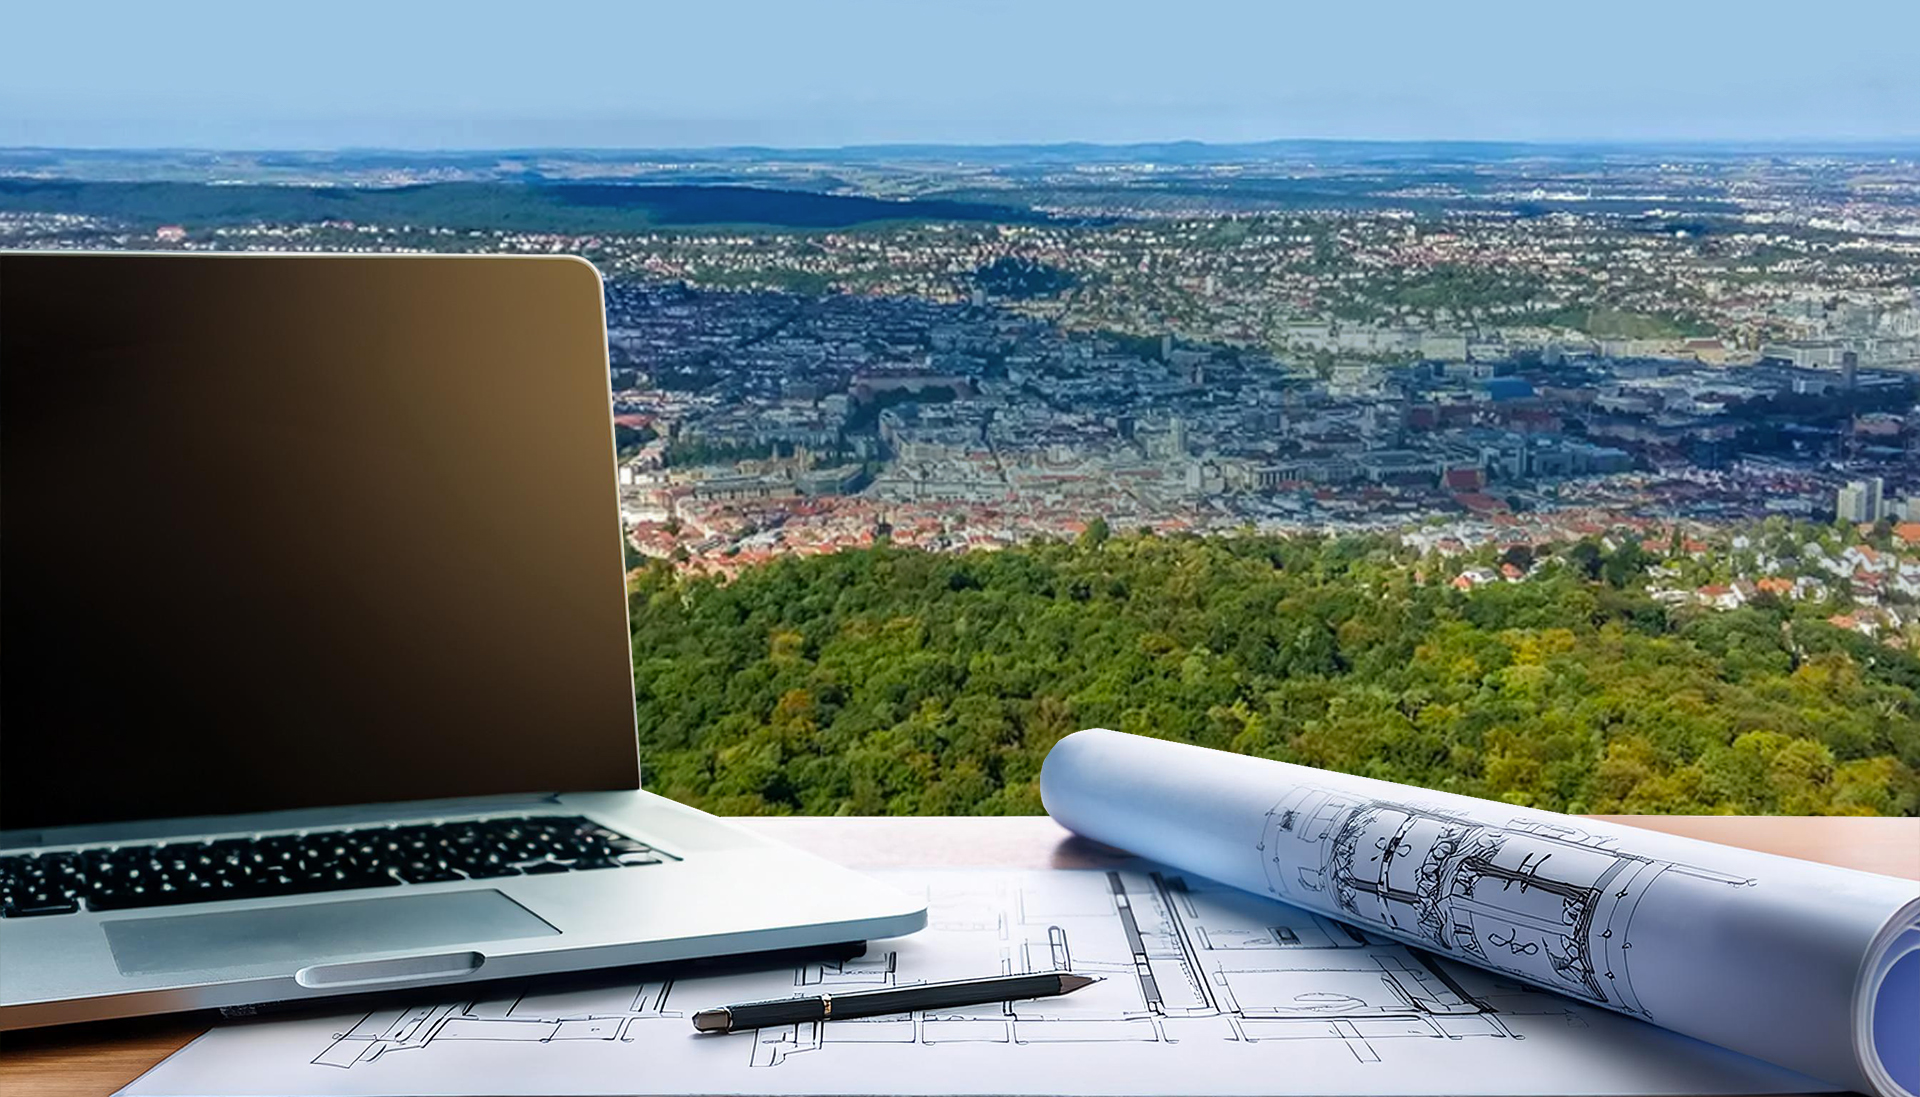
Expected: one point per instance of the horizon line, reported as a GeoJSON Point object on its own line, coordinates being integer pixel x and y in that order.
{"type": "Point", "coordinates": [1904, 143]}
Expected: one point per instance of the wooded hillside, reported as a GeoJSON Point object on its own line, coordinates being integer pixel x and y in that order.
{"type": "Point", "coordinates": [892, 681]}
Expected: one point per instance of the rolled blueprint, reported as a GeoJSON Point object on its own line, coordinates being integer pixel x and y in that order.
{"type": "Point", "coordinates": [1807, 966]}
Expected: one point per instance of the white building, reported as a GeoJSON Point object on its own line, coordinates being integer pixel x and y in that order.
{"type": "Point", "coordinates": [1861, 501]}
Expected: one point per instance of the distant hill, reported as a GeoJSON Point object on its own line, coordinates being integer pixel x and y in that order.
{"type": "Point", "coordinates": [532, 164]}
{"type": "Point", "coordinates": [572, 208]}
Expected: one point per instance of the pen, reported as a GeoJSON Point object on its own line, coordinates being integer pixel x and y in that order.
{"type": "Point", "coordinates": [874, 1003]}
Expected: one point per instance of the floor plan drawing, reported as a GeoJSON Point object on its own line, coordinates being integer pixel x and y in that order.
{"type": "Point", "coordinates": [1538, 900]}
{"type": "Point", "coordinates": [1180, 961]}
{"type": "Point", "coordinates": [1197, 980]}
{"type": "Point", "coordinates": [592, 1015]}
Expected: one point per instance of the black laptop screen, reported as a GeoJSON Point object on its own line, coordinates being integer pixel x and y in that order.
{"type": "Point", "coordinates": [293, 532]}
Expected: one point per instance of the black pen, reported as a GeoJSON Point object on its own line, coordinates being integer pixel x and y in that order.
{"type": "Point", "coordinates": [875, 1003]}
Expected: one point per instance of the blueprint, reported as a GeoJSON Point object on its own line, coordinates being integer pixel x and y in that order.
{"type": "Point", "coordinates": [1206, 989]}
{"type": "Point", "coordinates": [1811, 967]}
{"type": "Point", "coordinates": [1542, 901]}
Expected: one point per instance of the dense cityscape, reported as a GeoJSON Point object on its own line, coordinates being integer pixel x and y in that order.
{"type": "Point", "coordinates": [1490, 351]}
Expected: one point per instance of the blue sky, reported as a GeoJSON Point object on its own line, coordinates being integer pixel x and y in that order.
{"type": "Point", "coordinates": [432, 74]}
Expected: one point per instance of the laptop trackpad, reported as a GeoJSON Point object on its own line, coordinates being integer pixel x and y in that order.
{"type": "Point", "coordinates": [301, 935]}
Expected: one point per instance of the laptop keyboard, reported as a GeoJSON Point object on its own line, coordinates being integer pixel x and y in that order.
{"type": "Point", "coordinates": [173, 873]}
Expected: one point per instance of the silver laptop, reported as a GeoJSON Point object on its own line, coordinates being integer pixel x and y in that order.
{"type": "Point", "coordinates": [317, 676]}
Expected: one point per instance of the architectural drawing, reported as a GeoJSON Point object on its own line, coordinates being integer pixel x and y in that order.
{"type": "Point", "coordinates": [600, 1014]}
{"type": "Point", "coordinates": [1182, 960]}
{"type": "Point", "coordinates": [1539, 900]}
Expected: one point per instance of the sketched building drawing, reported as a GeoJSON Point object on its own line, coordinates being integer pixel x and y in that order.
{"type": "Point", "coordinates": [1544, 902]}
{"type": "Point", "coordinates": [1183, 961]}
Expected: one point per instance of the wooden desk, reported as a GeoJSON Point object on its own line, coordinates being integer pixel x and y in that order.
{"type": "Point", "coordinates": [99, 1058]}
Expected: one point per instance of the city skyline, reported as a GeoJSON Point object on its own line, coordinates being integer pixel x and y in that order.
{"type": "Point", "coordinates": [826, 75]}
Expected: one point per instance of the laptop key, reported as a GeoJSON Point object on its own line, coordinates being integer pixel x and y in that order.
{"type": "Point", "coordinates": [138, 896]}
{"type": "Point", "coordinates": [35, 910]}
{"type": "Point", "coordinates": [427, 873]}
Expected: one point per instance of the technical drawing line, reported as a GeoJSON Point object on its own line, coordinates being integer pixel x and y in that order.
{"type": "Point", "coordinates": [1536, 900]}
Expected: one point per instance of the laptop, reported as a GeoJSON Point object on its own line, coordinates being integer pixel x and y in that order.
{"type": "Point", "coordinates": [317, 676]}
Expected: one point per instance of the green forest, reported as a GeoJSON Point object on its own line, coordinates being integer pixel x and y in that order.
{"type": "Point", "coordinates": [897, 681]}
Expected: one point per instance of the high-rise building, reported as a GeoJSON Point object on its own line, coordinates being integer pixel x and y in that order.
{"type": "Point", "coordinates": [1851, 503]}
{"type": "Point", "coordinates": [1177, 436]}
{"type": "Point", "coordinates": [1861, 501]}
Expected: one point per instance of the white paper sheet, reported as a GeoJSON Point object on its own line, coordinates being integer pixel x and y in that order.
{"type": "Point", "coordinates": [1808, 966]}
{"type": "Point", "coordinates": [1207, 990]}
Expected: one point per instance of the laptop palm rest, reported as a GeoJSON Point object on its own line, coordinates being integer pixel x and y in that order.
{"type": "Point", "coordinates": [307, 934]}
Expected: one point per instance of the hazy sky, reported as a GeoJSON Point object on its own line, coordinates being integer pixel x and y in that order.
{"type": "Point", "coordinates": [480, 73]}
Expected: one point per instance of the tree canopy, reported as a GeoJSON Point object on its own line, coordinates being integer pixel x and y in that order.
{"type": "Point", "coordinates": [895, 681]}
